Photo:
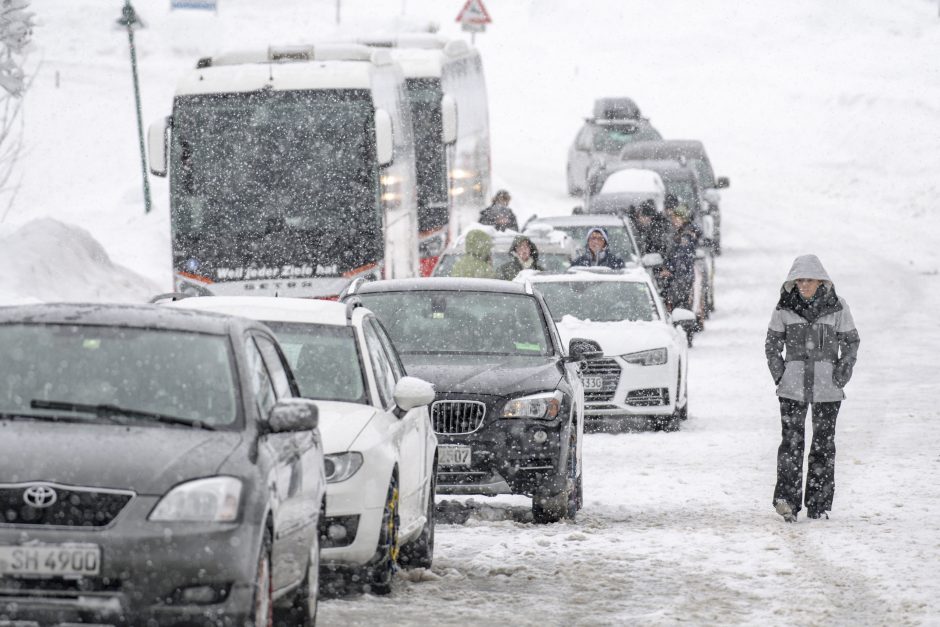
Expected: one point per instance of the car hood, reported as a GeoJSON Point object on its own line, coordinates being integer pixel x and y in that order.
{"type": "Point", "coordinates": [617, 338]}
{"type": "Point", "coordinates": [341, 423]}
{"type": "Point", "coordinates": [147, 460]}
{"type": "Point", "coordinates": [497, 375]}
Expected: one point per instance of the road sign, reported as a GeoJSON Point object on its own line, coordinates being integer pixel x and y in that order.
{"type": "Point", "coordinates": [473, 12]}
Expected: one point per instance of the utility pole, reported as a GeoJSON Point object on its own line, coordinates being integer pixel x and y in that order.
{"type": "Point", "coordinates": [129, 19]}
{"type": "Point", "coordinates": [337, 10]}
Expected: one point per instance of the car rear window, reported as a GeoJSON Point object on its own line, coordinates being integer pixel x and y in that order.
{"type": "Point", "coordinates": [325, 360]}
{"type": "Point", "coordinates": [475, 323]}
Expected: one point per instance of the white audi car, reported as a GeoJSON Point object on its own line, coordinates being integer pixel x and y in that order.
{"type": "Point", "coordinates": [380, 450]}
{"type": "Point", "coordinates": [645, 366]}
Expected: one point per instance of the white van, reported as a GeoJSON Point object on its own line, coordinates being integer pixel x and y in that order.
{"type": "Point", "coordinates": [292, 172]}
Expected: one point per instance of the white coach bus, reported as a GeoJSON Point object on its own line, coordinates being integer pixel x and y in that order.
{"type": "Point", "coordinates": [292, 172]}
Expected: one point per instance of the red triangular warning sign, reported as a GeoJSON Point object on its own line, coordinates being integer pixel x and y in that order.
{"type": "Point", "coordinates": [473, 12]}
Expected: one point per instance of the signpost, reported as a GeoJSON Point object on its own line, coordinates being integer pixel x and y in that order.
{"type": "Point", "coordinates": [130, 20]}
{"type": "Point", "coordinates": [474, 17]}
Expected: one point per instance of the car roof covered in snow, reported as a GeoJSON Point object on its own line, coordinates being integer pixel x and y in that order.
{"type": "Point", "coordinates": [665, 168]}
{"type": "Point", "coordinates": [443, 284]}
{"type": "Point", "coordinates": [124, 315]}
{"type": "Point", "coordinates": [308, 310]}
{"type": "Point", "coordinates": [633, 180]}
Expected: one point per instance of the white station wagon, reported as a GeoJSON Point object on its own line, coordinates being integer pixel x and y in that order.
{"type": "Point", "coordinates": [378, 445]}
{"type": "Point", "coordinates": [644, 370]}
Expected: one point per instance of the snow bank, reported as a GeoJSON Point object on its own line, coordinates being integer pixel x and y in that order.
{"type": "Point", "coordinates": [48, 260]}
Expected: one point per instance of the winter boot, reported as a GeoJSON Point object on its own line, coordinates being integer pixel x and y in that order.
{"type": "Point", "coordinates": [815, 514]}
{"type": "Point", "coordinates": [783, 508]}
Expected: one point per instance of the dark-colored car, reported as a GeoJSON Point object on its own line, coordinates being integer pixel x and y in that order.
{"type": "Point", "coordinates": [616, 123]}
{"type": "Point", "coordinates": [156, 467]}
{"type": "Point", "coordinates": [692, 153]}
{"type": "Point", "coordinates": [509, 414]}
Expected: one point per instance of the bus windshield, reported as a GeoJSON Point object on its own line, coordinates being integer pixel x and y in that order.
{"type": "Point", "coordinates": [298, 166]}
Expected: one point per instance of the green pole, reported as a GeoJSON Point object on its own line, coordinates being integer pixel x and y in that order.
{"type": "Point", "coordinates": [129, 18]}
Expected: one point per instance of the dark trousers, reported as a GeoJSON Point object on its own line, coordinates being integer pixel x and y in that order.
{"type": "Point", "coordinates": [820, 476]}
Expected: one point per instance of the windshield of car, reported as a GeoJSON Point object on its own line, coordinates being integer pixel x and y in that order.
{"type": "Point", "coordinates": [620, 242]}
{"type": "Point", "coordinates": [85, 372]}
{"type": "Point", "coordinates": [473, 323]}
{"type": "Point", "coordinates": [599, 301]}
{"type": "Point", "coordinates": [612, 138]}
{"type": "Point", "coordinates": [325, 360]}
{"type": "Point", "coordinates": [551, 262]}
{"type": "Point", "coordinates": [294, 161]}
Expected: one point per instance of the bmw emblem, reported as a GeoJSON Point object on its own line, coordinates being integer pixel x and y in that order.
{"type": "Point", "coordinates": [40, 496]}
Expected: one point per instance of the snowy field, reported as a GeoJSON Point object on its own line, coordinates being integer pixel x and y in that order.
{"type": "Point", "coordinates": [826, 117]}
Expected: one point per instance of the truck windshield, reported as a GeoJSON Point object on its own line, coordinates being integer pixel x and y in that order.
{"type": "Point", "coordinates": [424, 96]}
{"type": "Point", "coordinates": [470, 323]}
{"type": "Point", "coordinates": [298, 166]}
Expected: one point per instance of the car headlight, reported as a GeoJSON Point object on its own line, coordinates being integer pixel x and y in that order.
{"type": "Point", "coordinates": [655, 357]}
{"type": "Point", "coordinates": [545, 406]}
{"type": "Point", "coordinates": [214, 499]}
{"type": "Point", "coordinates": [341, 466]}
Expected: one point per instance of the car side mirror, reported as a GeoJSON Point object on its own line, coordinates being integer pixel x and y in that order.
{"type": "Point", "coordinates": [680, 315]}
{"type": "Point", "coordinates": [291, 415]}
{"type": "Point", "coordinates": [722, 182]}
{"type": "Point", "coordinates": [651, 260]}
{"type": "Point", "coordinates": [411, 392]}
{"type": "Point", "coordinates": [580, 349]}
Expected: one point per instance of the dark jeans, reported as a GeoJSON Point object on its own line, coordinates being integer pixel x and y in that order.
{"type": "Point", "coordinates": [820, 479]}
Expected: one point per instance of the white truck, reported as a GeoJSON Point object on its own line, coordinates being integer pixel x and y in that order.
{"type": "Point", "coordinates": [292, 172]}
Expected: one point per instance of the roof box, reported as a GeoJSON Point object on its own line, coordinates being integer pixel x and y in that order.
{"type": "Point", "coordinates": [616, 109]}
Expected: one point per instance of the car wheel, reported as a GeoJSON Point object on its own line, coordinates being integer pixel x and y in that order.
{"type": "Point", "coordinates": [574, 477]}
{"type": "Point", "coordinates": [262, 614]}
{"type": "Point", "coordinates": [383, 571]}
{"type": "Point", "coordinates": [303, 608]}
{"type": "Point", "coordinates": [419, 553]}
{"type": "Point", "coordinates": [552, 508]}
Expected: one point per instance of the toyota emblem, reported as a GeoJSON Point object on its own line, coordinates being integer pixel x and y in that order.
{"type": "Point", "coordinates": [40, 496]}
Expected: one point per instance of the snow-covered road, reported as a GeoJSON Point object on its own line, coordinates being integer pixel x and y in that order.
{"type": "Point", "coordinates": [826, 118]}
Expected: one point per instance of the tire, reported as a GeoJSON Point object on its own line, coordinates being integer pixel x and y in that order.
{"type": "Point", "coordinates": [419, 553]}
{"type": "Point", "coordinates": [262, 607]}
{"type": "Point", "coordinates": [575, 493]}
{"type": "Point", "coordinates": [551, 509]}
{"type": "Point", "coordinates": [382, 572]}
{"type": "Point", "coordinates": [302, 611]}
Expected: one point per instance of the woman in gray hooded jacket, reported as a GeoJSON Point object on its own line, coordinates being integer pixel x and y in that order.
{"type": "Point", "coordinates": [811, 348]}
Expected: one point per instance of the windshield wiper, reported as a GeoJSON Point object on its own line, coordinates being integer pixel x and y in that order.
{"type": "Point", "coordinates": [107, 411]}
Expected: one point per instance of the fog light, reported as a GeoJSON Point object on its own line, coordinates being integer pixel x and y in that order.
{"type": "Point", "coordinates": [539, 436]}
{"type": "Point", "coordinates": [336, 532]}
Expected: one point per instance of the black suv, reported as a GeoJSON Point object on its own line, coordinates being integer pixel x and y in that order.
{"type": "Point", "coordinates": [510, 404]}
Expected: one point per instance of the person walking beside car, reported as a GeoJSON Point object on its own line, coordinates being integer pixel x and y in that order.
{"type": "Point", "coordinates": [597, 251]}
{"type": "Point", "coordinates": [653, 229]}
{"type": "Point", "coordinates": [523, 255]}
{"type": "Point", "coordinates": [677, 275]}
{"type": "Point", "coordinates": [811, 348]}
{"type": "Point", "coordinates": [498, 214]}
{"type": "Point", "coordinates": [477, 261]}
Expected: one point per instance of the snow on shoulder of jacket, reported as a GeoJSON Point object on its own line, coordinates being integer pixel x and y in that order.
{"type": "Point", "coordinates": [812, 344]}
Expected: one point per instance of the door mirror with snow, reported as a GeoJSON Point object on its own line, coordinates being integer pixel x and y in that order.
{"type": "Point", "coordinates": [722, 182]}
{"type": "Point", "coordinates": [411, 392]}
{"type": "Point", "coordinates": [384, 138]}
{"type": "Point", "coordinates": [157, 139]}
{"type": "Point", "coordinates": [680, 315]}
{"type": "Point", "coordinates": [448, 119]}
{"type": "Point", "coordinates": [651, 260]}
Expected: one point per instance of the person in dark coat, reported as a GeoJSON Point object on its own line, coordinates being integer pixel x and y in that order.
{"type": "Point", "coordinates": [653, 229]}
{"type": "Point", "coordinates": [597, 251]}
{"type": "Point", "coordinates": [811, 349]}
{"type": "Point", "coordinates": [498, 214]}
{"type": "Point", "coordinates": [677, 275]}
{"type": "Point", "coordinates": [523, 255]}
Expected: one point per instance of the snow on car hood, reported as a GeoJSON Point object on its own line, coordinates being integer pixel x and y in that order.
{"type": "Point", "coordinates": [341, 423]}
{"type": "Point", "coordinates": [617, 338]}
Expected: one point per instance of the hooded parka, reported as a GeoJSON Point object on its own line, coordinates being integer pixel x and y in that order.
{"type": "Point", "coordinates": [476, 262]}
{"type": "Point", "coordinates": [514, 266]}
{"type": "Point", "coordinates": [811, 345]}
{"type": "Point", "coordinates": [603, 258]}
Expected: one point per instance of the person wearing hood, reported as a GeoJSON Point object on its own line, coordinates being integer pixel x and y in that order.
{"type": "Point", "coordinates": [476, 262]}
{"type": "Point", "coordinates": [523, 255]}
{"type": "Point", "coordinates": [811, 349]}
{"type": "Point", "coordinates": [597, 252]}
{"type": "Point", "coordinates": [499, 215]}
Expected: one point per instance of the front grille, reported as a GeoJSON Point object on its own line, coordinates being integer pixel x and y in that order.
{"type": "Point", "coordinates": [51, 505]}
{"type": "Point", "coordinates": [649, 397]}
{"type": "Point", "coordinates": [609, 370]}
{"type": "Point", "coordinates": [457, 416]}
